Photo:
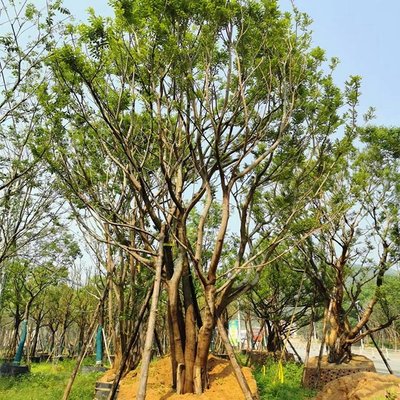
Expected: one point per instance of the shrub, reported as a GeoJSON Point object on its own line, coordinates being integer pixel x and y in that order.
{"type": "Point", "coordinates": [277, 381]}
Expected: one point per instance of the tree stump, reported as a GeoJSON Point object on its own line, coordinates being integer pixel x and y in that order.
{"type": "Point", "coordinates": [328, 371]}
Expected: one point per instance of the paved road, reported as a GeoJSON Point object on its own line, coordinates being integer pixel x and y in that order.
{"type": "Point", "coordinates": [392, 356]}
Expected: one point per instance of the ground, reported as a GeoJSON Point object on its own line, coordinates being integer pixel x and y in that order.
{"type": "Point", "coordinates": [47, 381]}
{"type": "Point", "coordinates": [362, 386]}
{"type": "Point", "coordinates": [223, 384]}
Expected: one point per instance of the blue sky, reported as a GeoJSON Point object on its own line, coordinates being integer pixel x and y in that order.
{"type": "Point", "coordinates": [363, 34]}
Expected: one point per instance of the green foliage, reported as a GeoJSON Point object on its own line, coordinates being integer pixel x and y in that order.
{"type": "Point", "coordinates": [271, 388]}
{"type": "Point", "coordinates": [391, 395]}
{"type": "Point", "coordinates": [161, 111]}
{"type": "Point", "coordinates": [385, 141]}
{"type": "Point", "coordinates": [47, 382]}
{"type": "Point", "coordinates": [388, 300]}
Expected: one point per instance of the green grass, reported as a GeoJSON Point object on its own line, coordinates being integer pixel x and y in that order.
{"type": "Point", "coordinates": [271, 388]}
{"type": "Point", "coordinates": [47, 382]}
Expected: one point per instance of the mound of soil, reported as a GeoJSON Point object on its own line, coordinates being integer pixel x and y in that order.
{"type": "Point", "coordinates": [223, 384]}
{"type": "Point", "coordinates": [362, 386]}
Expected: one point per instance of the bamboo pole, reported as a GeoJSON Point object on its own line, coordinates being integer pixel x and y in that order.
{"type": "Point", "coordinates": [321, 349]}
{"type": "Point", "coordinates": [236, 367]}
{"type": "Point", "coordinates": [310, 335]}
{"type": "Point", "coordinates": [130, 344]}
{"type": "Point", "coordinates": [379, 351]}
{"type": "Point", "coordinates": [359, 310]}
{"type": "Point", "coordinates": [144, 372]}
{"type": "Point", "coordinates": [107, 348]}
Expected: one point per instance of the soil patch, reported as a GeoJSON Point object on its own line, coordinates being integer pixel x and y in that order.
{"type": "Point", "coordinates": [362, 386]}
{"type": "Point", "coordinates": [223, 384]}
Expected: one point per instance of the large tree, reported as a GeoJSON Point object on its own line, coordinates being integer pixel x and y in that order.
{"type": "Point", "coordinates": [28, 201]}
{"type": "Point", "coordinates": [359, 241]}
{"type": "Point", "coordinates": [168, 109]}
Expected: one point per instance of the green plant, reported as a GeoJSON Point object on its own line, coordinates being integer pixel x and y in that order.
{"type": "Point", "coordinates": [46, 382]}
{"type": "Point", "coordinates": [289, 388]}
{"type": "Point", "coordinates": [390, 395]}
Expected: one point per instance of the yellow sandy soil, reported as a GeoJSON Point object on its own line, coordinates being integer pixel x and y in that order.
{"type": "Point", "coordinates": [223, 384]}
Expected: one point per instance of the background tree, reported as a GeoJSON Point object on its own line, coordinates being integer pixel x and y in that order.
{"type": "Point", "coordinates": [24, 45]}
{"type": "Point", "coordinates": [387, 308]}
{"type": "Point", "coordinates": [44, 264]}
{"type": "Point", "coordinates": [282, 299]}
{"type": "Point", "coordinates": [28, 201]}
{"type": "Point", "coordinates": [358, 243]}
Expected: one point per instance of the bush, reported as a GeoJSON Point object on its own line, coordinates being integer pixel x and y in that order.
{"type": "Point", "coordinates": [277, 381]}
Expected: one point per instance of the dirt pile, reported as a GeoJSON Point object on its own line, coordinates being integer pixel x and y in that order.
{"type": "Point", "coordinates": [362, 386]}
{"type": "Point", "coordinates": [223, 384]}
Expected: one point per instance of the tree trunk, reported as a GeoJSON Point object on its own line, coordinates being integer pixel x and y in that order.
{"type": "Point", "coordinates": [177, 336]}
{"type": "Point", "coordinates": [13, 344]}
{"type": "Point", "coordinates": [52, 339]}
{"type": "Point", "coordinates": [339, 350]}
{"type": "Point", "coordinates": [35, 337]}
{"type": "Point", "coordinates": [274, 341]}
{"type": "Point", "coordinates": [190, 332]}
{"type": "Point", "coordinates": [158, 343]}
{"type": "Point", "coordinates": [61, 344]}
{"type": "Point", "coordinates": [81, 337]}
{"type": "Point", "coordinates": [174, 364]}
{"type": "Point", "coordinates": [190, 347]}
{"type": "Point", "coordinates": [203, 347]}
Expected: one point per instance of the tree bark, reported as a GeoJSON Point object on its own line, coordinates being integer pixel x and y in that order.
{"type": "Point", "coordinates": [339, 350]}
{"type": "Point", "coordinates": [200, 377]}
{"type": "Point", "coordinates": [275, 341]}
{"type": "Point", "coordinates": [52, 339]}
{"type": "Point", "coordinates": [177, 335]}
{"type": "Point", "coordinates": [190, 333]}
{"type": "Point", "coordinates": [35, 337]}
